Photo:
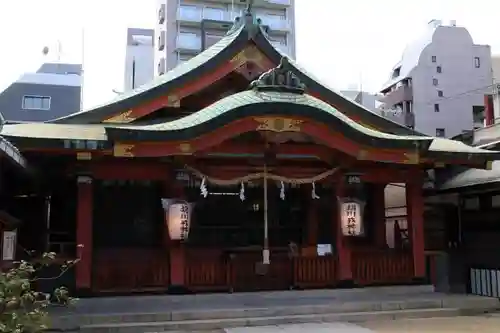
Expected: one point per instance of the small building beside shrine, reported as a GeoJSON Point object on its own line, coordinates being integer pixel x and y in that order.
{"type": "Point", "coordinates": [13, 168]}
{"type": "Point", "coordinates": [236, 171]}
{"type": "Point", "coordinates": [469, 201]}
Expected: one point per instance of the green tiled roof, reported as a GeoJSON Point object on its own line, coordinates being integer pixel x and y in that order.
{"type": "Point", "coordinates": [238, 100]}
{"type": "Point", "coordinates": [177, 72]}
{"type": "Point", "coordinates": [55, 131]}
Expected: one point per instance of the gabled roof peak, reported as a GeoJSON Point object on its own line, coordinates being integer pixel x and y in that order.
{"type": "Point", "coordinates": [248, 20]}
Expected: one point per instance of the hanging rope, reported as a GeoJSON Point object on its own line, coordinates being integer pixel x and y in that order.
{"type": "Point", "coordinates": [313, 192]}
{"type": "Point", "coordinates": [282, 191]}
{"type": "Point", "coordinates": [203, 188]}
{"type": "Point", "coordinates": [242, 192]}
{"type": "Point", "coordinates": [259, 175]}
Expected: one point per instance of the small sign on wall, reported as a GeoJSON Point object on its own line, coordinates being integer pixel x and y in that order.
{"type": "Point", "coordinates": [9, 245]}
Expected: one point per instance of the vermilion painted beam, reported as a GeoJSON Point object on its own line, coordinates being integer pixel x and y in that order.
{"type": "Point", "coordinates": [314, 150]}
{"type": "Point", "coordinates": [130, 169]}
{"type": "Point", "coordinates": [332, 139]}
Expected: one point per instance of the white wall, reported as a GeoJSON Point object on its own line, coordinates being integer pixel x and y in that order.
{"type": "Point", "coordinates": [144, 65]}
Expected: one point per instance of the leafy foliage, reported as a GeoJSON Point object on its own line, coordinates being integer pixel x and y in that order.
{"type": "Point", "coordinates": [22, 309]}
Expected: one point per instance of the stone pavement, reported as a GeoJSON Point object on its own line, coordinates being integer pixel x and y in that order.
{"type": "Point", "coordinates": [304, 328]}
{"type": "Point", "coordinates": [483, 324]}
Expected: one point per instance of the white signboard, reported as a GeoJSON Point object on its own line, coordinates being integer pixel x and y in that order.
{"type": "Point", "coordinates": [324, 249]}
{"type": "Point", "coordinates": [351, 218]}
{"type": "Point", "coordinates": [9, 245]}
{"type": "Point", "coordinates": [178, 220]}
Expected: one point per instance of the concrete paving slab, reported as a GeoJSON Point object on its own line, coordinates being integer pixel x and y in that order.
{"type": "Point", "coordinates": [303, 328]}
{"type": "Point", "coordinates": [483, 324]}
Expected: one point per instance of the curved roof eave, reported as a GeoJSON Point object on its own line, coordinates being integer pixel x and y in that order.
{"type": "Point", "coordinates": [350, 107]}
{"type": "Point", "coordinates": [231, 108]}
{"type": "Point", "coordinates": [203, 63]}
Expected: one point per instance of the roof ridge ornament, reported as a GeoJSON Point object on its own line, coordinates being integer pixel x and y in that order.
{"type": "Point", "coordinates": [248, 20]}
{"type": "Point", "coordinates": [280, 79]}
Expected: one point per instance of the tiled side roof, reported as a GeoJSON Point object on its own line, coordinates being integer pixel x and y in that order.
{"type": "Point", "coordinates": [172, 75]}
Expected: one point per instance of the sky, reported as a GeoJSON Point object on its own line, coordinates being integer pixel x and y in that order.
{"type": "Point", "coordinates": [348, 43]}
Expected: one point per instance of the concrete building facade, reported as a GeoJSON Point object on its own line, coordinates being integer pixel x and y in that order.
{"type": "Point", "coordinates": [139, 58]}
{"type": "Point", "coordinates": [53, 91]}
{"type": "Point", "coordinates": [438, 87]}
{"type": "Point", "coordinates": [185, 28]}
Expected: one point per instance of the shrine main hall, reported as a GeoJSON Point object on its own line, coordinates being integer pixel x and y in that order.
{"type": "Point", "coordinates": [236, 171]}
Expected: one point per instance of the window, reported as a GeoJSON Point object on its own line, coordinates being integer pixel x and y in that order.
{"type": "Point", "coordinates": [189, 40]}
{"type": "Point", "coordinates": [439, 69]}
{"type": "Point", "coordinates": [471, 203]}
{"type": "Point", "coordinates": [190, 13]}
{"type": "Point", "coordinates": [435, 82]}
{"type": "Point", "coordinates": [436, 107]}
{"type": "Point", "coordinates": [477, 62]}
{"type": "Point", "coordinates": [440, 132]}
{"type": "Point", "coordinates": [434, 59]}
{"type": "Point", "coordinates": [216, 14]}
{"type": "Point", "coordinates": [440, 93]}
{"type": "Point", "coordinates": [495, 201]}
{"type": "Point", "coordinates": [36, 103]}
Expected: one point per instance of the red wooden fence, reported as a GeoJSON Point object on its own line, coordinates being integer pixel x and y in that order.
{"type": "Point", "coordinates": [376, 267]}
{"type": "Point", "coordinates": [127, 270]}
{"type": "Point", "coordinates": [315, 272]}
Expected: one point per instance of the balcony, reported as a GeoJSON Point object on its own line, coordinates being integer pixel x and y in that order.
{"type": "Point", "coordinates": [161, 40]}
{"type": "Point", "coordinates": [398, 95]}
{"type": "Point", "coordinates": [161, 14]}
{"type": "Point", "coordinates": [188, 43]}
{"type": "Point", "coordinates": [277, 24]}
{"type": "Point", "coordinates": [189, 17]}
{"type": "Point", "coordinates": [260, 3]}
{"type": "Point", "coordinates": [280, 46]}
{"type": "Point", "coordinates": [405, 118]}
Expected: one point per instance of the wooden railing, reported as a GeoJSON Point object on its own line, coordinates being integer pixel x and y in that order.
{"type": "Point", "coordinates": [207, 274]}
{"type": "Point", "coordinates": [129, 270]}
{"type": "Point", "coordinates": [242, 273]}
{"type": "Point", "coordinates": [381, 267]}
{"type": "Point", "coordinates": [315, 272]}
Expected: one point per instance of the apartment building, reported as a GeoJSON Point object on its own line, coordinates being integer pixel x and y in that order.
{"type": "Point", "coordinates": [367, 99]}
{"type": "Point", "coordinates": [439, 85]}
{"type": "Point", "coordinates": [53, 91]}
{"type": "Point", "coordinates": [185, 28]}
{"type": "Point", "coordinates": [139, 58]}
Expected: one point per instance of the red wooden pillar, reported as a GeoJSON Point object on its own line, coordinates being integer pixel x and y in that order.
{"type": "Point", "coordinates": [84, 233]}
{"type": "Point", "coordinates": [378, 200]}
{"type": "Point", "coordinates": [415, 216]}
{"type": "Point", "coordinates": [343, 249]}
{"type": "Point", "coordinates": [176, 249]}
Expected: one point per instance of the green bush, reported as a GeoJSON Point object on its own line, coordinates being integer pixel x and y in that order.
{"type": "Point", "coordinates": [22, 309]}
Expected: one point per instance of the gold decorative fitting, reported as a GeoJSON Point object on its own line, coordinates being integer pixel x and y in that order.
{"type": "Point", "coordinates": [489, 165]}
{"type": "Point", "coordinates": [362, 154]}
{"type": "Point", "coordinates": [277, 124]}
{"type": "Point", "coordinates": [121, 118]}
{"type": "Point", "coordinates": [185, 148]}
{"type": "Point", "coordinates": [83, 156]}
{"type": "Point", "coordinates": [439, 165]}
{"type": "Point", "coordinates": [412, 158]}
{"type": "Point", "coordinates": [173, 101]}
{"type": "Point", "coordinates": [123, 150]}
{"type": "Point", "coordinates": [248, 54]}
{"type": "Point", "coordinates": [368, 126]}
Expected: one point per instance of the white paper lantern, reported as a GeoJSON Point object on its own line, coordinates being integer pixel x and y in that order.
{"type": "Point", "coordinates": [351, 217]}
{"type": "Point", "coordinates": [179, 220]}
